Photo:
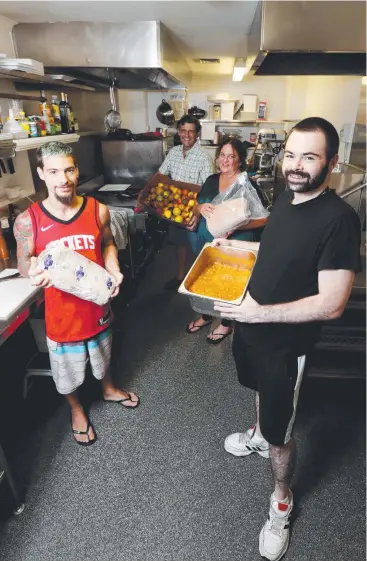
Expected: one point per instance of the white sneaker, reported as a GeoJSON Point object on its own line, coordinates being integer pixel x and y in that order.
{"type": "Point", "coordinates": [245, 443]}
{"type": "Point", "coordinates": [274, 537]}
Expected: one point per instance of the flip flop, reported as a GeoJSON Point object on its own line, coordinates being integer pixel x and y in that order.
{"type": "Point", "coordinates": [121, 401]}
{"type": "Point", "coordinates": [196, 327]}
{"type": "Point", "coordinates": [220, 337]}
{"type": "Point", "coordinates": [90, 442]}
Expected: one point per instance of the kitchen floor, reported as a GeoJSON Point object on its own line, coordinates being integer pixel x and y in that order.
{"type": "Point", "coordinates": [158, 484]}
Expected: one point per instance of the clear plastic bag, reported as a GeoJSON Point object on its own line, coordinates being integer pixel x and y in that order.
{"type": "Point", "coordinates": [235, 207]}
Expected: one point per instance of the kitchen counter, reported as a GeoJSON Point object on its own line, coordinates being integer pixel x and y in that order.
{"type": "Point", "coordinates": [22, 309]}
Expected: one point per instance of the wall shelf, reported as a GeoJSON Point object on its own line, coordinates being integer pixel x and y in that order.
{"type": "Point", "coordinates": [12, 95]}
{"type": "Point", "coordinates": [31, 143]}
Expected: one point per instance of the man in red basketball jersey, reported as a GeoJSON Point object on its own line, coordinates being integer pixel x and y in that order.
{"type": "Point", "coordinates": [76, 329]}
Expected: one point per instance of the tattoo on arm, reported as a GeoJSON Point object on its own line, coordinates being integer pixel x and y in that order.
{"type": "Point", "coordinates": [23, 232]}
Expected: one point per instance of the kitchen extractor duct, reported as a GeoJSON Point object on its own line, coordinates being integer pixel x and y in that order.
{"type": "Point", "coordinates": [138, 55]}
{"type": "Point", "coordinates": [308, 38]}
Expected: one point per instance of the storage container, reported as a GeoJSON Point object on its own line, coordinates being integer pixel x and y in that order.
{"type": "Point", "coordinates": [235, 257]}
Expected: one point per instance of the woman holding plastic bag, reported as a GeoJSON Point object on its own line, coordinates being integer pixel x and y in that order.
{"type": "Point", "coordinates": [227, 206]}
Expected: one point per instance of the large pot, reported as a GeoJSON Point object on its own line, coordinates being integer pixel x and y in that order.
{"type": "Point", "coordinates": [165, 114]}
{"type": "Point", "coordinates": [197, 112]}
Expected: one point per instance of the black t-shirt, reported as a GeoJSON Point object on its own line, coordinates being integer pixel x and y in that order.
{"type": "Point", "coordinates": [299, 241]}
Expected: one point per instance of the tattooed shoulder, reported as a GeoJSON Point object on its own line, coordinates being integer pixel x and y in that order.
{"type": "Point", "coordinates": [23, 233]}
{"type": "Point", "coordinates": [23, 226]}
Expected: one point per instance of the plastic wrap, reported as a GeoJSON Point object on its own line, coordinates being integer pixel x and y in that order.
{"type": "Point", "coordinates": [73, 273]}
{"type": "Point", "coordinates": [235, 207]}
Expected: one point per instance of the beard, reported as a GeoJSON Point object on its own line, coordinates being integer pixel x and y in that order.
{"type": "Point", "coordinates": [66, 199]}
{"type": "Point", "coordinates": [310, 183]}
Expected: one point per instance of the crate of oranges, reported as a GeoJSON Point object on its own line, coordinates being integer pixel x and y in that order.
{"type": "Point", "coordinates": [169, 200]}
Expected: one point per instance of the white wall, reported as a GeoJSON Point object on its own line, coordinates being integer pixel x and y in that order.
{"type": "Point", "coordinates": [272, 89]}
{"type": "Point", "coordinates": [335, 98]}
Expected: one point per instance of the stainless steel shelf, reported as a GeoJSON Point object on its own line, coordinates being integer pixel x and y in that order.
{"type": "Point", "coordinates": [10, 95]}
{"type": "Point", "coordinates": [36, 82]}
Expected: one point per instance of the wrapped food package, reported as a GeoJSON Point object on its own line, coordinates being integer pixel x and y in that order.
{"type": "Point", "coordinates": [235, 207]}
{"type": "Point", "coordinates": [73, 273]}
{"type": "Point", "coordinates": [227, 216]}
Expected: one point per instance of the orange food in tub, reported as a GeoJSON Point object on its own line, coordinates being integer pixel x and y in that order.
{"type": "Point", "coordinates": [221, 281]}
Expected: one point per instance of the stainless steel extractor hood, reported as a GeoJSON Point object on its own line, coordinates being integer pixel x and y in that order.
{"type": "Point", "coordinates": [138, 55]}
{"type": "Point", "coordinates": [308, 38]}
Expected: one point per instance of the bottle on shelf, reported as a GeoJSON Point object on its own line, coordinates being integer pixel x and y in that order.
{"type": "Point", "coordinates": [64, 115]}
{"type": "Point", "coordinates": [33, 127]}
{"type": "Point", "coordinates": [46, 113]}
{"type": "Point", "coordinates": [4, 254]}
{"type": "Point", "coordinates": [76, 125]}
{"type": "Point", "coordinates": [55, 110]}
{"type": "Point", "coordinates": [71, 114]}
{"type": "Point", "coordinates": [24, 123]}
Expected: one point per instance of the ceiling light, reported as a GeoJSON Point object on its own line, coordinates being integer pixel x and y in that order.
{"type": "Point", "coordinates": [239, 70]}
{"type": "Point", "coordinates": [364, 81]}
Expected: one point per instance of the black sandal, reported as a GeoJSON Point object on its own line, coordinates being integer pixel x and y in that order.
{"type": "Point", "coordinates": [90, 442]}
{"type": "Point", "coordinates": [121, 401]}
{"type": "Point", "coordinates": [196, 327]}
{"type": "Point", "coordinates": [220, 337]}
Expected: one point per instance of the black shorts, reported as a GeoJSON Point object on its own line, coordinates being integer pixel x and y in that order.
{"type": "Point", "coordinates": [276, 373]}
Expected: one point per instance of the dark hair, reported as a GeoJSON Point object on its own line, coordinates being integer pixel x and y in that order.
{"type": "Point", "coordinates": [238, 146]}
{"type": "Point", "coordinates": [53, 149]}
{"type": "Point", "coordinates": [191, 120]}
{"type": "Point", "coordinates": [313, 124]}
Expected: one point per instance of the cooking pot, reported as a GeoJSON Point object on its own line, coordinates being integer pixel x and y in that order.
{"type": "Point", "coordinates": [197, 112]}
{"type": "Point", "coordinates": [165, 114]}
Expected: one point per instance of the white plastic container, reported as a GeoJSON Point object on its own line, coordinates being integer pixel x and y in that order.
{"type": "Point", "coordinates": [14, 128]}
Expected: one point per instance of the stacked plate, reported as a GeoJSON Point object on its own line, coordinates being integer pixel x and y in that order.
{"type": "Point", "coordinates": [22, 65]}
{"type": "Point", "coordinates": [6, 140]}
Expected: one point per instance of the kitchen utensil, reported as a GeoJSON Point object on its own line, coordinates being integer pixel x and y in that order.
{"type": "Point", "coordinates": [165, 114]}
{"type": "Point", "coordinates": [197, 112]}
{"type": "Point", "coordinates": [10, 163]}
{"type": "Point", "coordinates": [112, 120]}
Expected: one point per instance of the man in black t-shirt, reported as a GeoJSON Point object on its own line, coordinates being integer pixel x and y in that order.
{"type": "Point", "coordinates": [304, 273]}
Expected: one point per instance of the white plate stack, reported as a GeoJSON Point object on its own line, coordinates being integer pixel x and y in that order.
{"type": "Point", "coordinates": [27, 65]}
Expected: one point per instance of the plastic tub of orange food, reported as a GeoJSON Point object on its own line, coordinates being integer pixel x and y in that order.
{"type": "Point", "coordinates": [219, 274]}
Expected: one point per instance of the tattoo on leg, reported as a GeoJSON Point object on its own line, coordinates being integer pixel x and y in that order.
{"type": "Point", "coordinates": [282, 464]}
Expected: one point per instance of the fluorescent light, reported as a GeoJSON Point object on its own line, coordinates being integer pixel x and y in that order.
{"type": "Point", "coordinates": [364, 80]}
{"type": "Point", "coordinates": [239, 70]}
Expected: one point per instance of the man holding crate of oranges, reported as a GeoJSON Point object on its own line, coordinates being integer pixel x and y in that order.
{"type": "Point", "coordinates": [190, 164]}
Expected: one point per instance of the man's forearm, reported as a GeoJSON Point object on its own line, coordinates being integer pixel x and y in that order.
{"type": "Point", "coordinates": [110, 258]}
{"type": "Point", "coordinates": [312, 308]}
{"type": "Point", "coordinates": [23, 267]}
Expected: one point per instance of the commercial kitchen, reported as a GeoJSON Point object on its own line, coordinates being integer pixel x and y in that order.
{"type": "Point", "coordinates": [158, 484]}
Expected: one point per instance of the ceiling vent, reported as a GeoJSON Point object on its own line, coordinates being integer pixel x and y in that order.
{"type": "Point", "coordinates": [208, 60]}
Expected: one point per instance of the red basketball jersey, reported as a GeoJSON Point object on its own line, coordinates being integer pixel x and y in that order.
{"type": "Point", "coordinates": [69, 318]}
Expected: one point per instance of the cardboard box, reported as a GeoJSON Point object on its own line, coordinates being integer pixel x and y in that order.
{"type": "Point", "coordinates": [153, 182]}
